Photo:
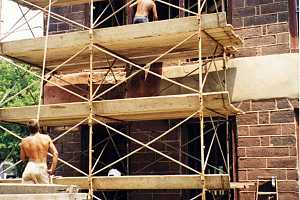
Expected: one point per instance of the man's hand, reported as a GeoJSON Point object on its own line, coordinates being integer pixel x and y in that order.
{"type": "Point", "coordinates": [50, 171]}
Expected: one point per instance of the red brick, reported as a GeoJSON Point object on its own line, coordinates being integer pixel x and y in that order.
{"type": "Point", "coordinates": [242, 175]}
{"type": "Point", "coordinates": [258, 41]}
{"type": "Point", "coordinates": [292, 174]}
{"type": "Point", "coordinates": [277, 28]}
{"type": "Point", "coordinates": [249, 32]}
{"type": "Point", "coordinates": [265, 141]}
{"type": "Point", "coordinates": [264, 117]}
{"type": "Point", "coordinates": [78, 8]}
{"type": "Point", "coordinates": [246, 52]}
{"type": "Point", "coordinates": [283, 103]}
{"type": "Point", "coordinates": [243, 130]}
{"type": "Point", "coordinates": [275, 49]}
{"type": "Point", "coordinates": [257, 2]}
{"type": "Point", "coordinates": [257, 10]}
{"type": "Point", "coordinates": [264, 27]}
{"type": "Point", "coordinates": [265, 130]}
{"type": "Point", "coordinates": [283, 38]}
{"type": "Point", "coordinates": [294, 102]}
{"type": "Point", "coordinates": [238, 3]}
{"type": "Point", "coordinates": [243, 12]}
{"type": "Point", "coordinates": [248, 141]}
{"type": "Point", "coordinates": [252, 163]}
{"type": "Point", "coordinates": [288, 186]}
{"type": "Point", "coordinates": [245, 105]}
{"type": "Point", "coordinates": [247, 119]}
{"type": "Point", "coordinates": [293, 151]}
{"type": "Point", "coordinates": [267, 104]}
{"type": "Point", "coordinates": [260, 20]}
{"type": "Point", "coordinates": [283, 16]}
{"type": "Point", "coordinates": [283, 140]}
{"type": "Point", "coordinates": [253, 173]}
{"type": "Point", "coordinates": [237, 22]}
{"type": "Point", "coordinates": [247, 195]}
{"type": "Point", "coordinates": [288, 195]}
{"type": "Point", "coordinates": [274, 7]}
{"type": "Point", "coordinates": [267, 151]}
{"type": "Point", "coordinates": [285, 116]}
{"type": "Point", "coordinates": [241, 152]}
{"type": "Point", "coordinates": [290, 162]}
{"type": "Point", "coordinates": [288, 129]}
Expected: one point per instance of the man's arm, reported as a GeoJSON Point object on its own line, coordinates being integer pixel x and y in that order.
{"type": "Point", "coordinates": [154, 12]}
{"type": "Point", "coordinates": [54, 152]}
{"type": "Point", "coordinates": [22, 152]}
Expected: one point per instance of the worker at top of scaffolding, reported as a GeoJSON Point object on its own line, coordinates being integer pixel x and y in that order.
{"type": "Point", "coordinates": [144, 7]}
{"type": "Point", "coordinates": [35, 148]}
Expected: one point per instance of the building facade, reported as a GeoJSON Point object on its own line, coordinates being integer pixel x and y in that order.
{"type": "Point", "coordinates": [263, 82]}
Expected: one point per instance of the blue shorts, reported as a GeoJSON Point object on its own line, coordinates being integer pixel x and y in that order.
{"type": "Point", "coordinates": [140, 19]}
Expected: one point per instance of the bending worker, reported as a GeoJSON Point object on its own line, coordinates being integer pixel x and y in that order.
{"type": "Point", "coordinates": [35, 148]}
{"type": "Point", "coordinates": [143, 9]}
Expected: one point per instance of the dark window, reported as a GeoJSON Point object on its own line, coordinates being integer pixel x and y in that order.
{"type": "Point", "coordinates": [215, 164]}
{"type": "Point", "coordinates": [105, 9]}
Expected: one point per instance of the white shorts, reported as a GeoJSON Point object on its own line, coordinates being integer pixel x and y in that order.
{"type": "Point", "coordinates": [35, 173]}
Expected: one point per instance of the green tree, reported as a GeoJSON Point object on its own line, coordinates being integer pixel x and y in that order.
{"type": "Point", "coordinates": [12, 81]}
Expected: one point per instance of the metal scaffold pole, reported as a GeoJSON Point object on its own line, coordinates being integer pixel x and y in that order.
{"type": "Point", "coordinates": [201, 118]}
{"type": "Point", "coordinates": [90, 120]}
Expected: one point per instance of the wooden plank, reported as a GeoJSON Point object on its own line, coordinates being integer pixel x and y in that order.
{"type": "Point", "coordinates": [64, 196]}
{"type": "Point", "coordinates": [82, 78]}
{"type": "Point", "coordinates": [241, 185]}
{"type": "Point", "coordinates": [59, 3]}
{"type": "Point", "coordinates": [213, 182]}
{"type": "Point", "coordinates": [153, 182]}
{"type": "Point", "coordinates": [10, 188]}
{"type": "Point", "coordinates": [133, 41]}
{"type": "Point", "coordinates": [131, 109]}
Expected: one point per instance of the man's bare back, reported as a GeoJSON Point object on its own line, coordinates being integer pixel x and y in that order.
{"type": "Point", "coordinates": [35, 148]}
{"type": "Point", "coordinates": [143, 9]}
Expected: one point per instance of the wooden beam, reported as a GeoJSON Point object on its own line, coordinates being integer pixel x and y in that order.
{"type": "Point", "coordinates": [134, 41]}
{"type": "Point", "coordinates": [11, 188]}
{"type": "Point", "coordinates": [153, 182]}
{"type": "Point", "coordinates": [63, 196]}
{"type": "Point", "coordinates": [82, 78]}
{"type": "Point", "coordinates": [241, 185]}
{"type": "Point", "coordinates": [213, 182]}
{"type": "Point", "coordinates": [131, 109]}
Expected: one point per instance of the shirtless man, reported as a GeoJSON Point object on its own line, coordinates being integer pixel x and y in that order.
{"type": "Point", "coordinates": [35, 147]}
{"type": "Point", "coordinates": [142, 11]}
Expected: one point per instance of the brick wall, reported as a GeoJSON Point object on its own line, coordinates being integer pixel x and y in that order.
{"type": "Point", "coordinates": [267, 145]}
{"type": "Point", "coordinates": [147, 162]}
{"type": "Point", "coordinates": [77, 13]}
{"type": "Point", "coordinates": [263, 25]}
{"type": "Point", "coordinates": [69, 148]}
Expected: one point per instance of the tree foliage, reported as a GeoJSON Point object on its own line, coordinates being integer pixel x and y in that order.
{"type": "Point", "coordinates": [12, 81]}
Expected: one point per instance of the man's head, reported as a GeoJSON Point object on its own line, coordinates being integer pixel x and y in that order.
{"type": "Point", "coordinates": [33, 126]}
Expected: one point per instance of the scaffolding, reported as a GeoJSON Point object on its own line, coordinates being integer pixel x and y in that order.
{"type": "Point", "coordinates": [205, 36]}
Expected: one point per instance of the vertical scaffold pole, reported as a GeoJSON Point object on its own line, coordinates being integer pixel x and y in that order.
{"type": "Point", "coordinates": [90, 120]}
{"type": "Point", "coordinates": [44, 62]}
{"type": "Point", "coordinates": [227, 149]}
{"type": "Point", "coordinates": [201, 118]}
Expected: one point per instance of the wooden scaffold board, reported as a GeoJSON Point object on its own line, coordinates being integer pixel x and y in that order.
{"type": "Point", "coordinates": [131, 109]}
{"type": "Point", "coordinates": [141, 43]}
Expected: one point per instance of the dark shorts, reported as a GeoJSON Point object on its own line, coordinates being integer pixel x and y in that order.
{"type": "Point", "coordinates": [140, 19]}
